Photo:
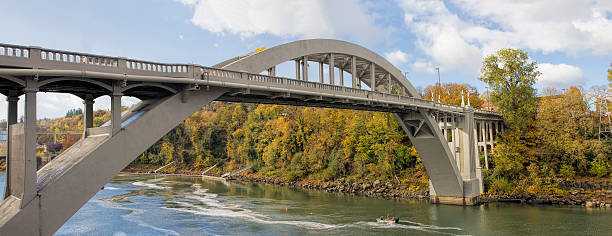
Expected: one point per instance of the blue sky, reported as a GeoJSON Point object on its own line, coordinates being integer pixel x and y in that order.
{"type": "Point", "coordinates": [571, 40]}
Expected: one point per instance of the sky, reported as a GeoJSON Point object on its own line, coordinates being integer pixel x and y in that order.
{"type": "Point", "coordinates": [571, 40]}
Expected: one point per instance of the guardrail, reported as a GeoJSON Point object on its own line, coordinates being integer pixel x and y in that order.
{"type": "Point", "coordinates": [35, 57]}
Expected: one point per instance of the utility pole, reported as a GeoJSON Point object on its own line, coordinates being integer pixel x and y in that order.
{"type": "Point", "coordinates": [439, 85]}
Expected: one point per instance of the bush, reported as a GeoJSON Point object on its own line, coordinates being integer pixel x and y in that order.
{"type": "Point", "coordinates": [567, 171]}
{"type": "Point", "coordinates": [500, 185]}
{"type": "Point", "coordinates": [599, 168]}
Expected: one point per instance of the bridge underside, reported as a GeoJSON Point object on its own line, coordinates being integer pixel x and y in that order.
{"type": "Point", "coordinates": [446, 137]}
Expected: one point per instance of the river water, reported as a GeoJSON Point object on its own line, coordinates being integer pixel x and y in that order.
{"type": "Point", "coordinates": [169, 205]}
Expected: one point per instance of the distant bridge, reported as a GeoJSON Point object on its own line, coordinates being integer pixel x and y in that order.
{"type": "Point", "coordinates": [447, 138]}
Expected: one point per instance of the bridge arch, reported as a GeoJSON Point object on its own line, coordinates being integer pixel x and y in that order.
{"type": "Point", "coordinates": [317, 50]}
{"type": "Point", "coordinates": [421, 126]}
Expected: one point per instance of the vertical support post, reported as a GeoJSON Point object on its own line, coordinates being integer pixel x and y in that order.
{"type": "Point", "coordinates": [29, 161]}
{"type": "Point", "coordinates": [354, 71]}
{"type": "Point", "coordinates": [297, 69]}
{"type": "Point", "coordinates": [468, 145]}
{"type": "Point", "coordinates": [305, 68]}
{"type": "Point", "coordinates": [87, 114]}
{"type": "Point", "coordinates": [446, 126]}
{"type": "Point", "coordinates": [341, 76]}
{"type": "Point", "coordinates": [372, 77]}
{"type": "Point", "coordinates": [320, 72]}
{"type": "Point", "coordinates": [12, 100]}
{"type": "Point", "coordinates": [486, 157]}
{"type": "Point", "coordinates": [332, 66]}
{"type": "Point", "coordinates": [272, 71]}
{"type": "Point", "coordinates": [491, 138]}
{"type": "Point", "coordinates": [389, 87]}
{"type": "Point", "coordinates": [116, 108]}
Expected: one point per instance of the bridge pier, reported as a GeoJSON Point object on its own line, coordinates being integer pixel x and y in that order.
{"type": "Point", "coordinates": [331, 69]}
{"type": "Point", "coordinates": [12, 100]}
{"type": "Point", "coordinates": [116, 108]}
{"type": "Point", "coordinates": [88, 112]}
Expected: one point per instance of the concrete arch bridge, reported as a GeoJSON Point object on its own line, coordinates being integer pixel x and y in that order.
{"type": "Point", "coordinates": [38, 202]}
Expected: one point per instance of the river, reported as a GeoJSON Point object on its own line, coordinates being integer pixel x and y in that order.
{"type": "Point", "coordinates": [170, 205]}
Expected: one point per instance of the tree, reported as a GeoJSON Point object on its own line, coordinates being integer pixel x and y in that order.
{"type": "Point", "coordinates": [610, 77]}
{"type": "Point", "coordinates": [511, 76]}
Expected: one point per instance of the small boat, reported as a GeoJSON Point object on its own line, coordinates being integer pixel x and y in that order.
{"type": "Point", "coordinates": [391, 220]}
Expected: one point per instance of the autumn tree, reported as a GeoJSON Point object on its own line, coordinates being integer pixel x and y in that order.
{"type": "Point", "coordinates": [451, 94]}
{"type": "Point", "coordinates": [511, 75]}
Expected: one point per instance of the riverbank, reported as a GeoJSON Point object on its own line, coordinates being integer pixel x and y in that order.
{"type": "Point", "coordinates": [588, 192]}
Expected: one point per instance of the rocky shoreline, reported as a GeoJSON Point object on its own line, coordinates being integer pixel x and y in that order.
{"type": "Point", "coordinates": [362, 188]}
{"type": "Point", "coordinates": [586, 193]}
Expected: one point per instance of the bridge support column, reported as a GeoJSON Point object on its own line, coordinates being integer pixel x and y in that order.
{"type": "Point", "coordinates": [87, 114]}
{"type": "Point", "coordinates": [320, 72]}
{"type": "Point", "coordinates": [487, 127]}
{"type": "Point", "coordinates": [331, 69]}
{"type": "Point", "coordinates": [389, 87]}
{"type": "Point", "coordinates": [22, 163]}
{"type": "Point", "coordinates": [305, 68]}
{"type": "Point", "coordinates": [12, 100]}
{"type": "Point", "coordinates": [116, 108]}
{"type": "Point", "coordinates": [341, 76]}
{"type": "Point", "coordinates": [354, 71]}
{"type": "Point", "coordinates": [468, 156]}
{"type": "Point", "coordinates": [297, 69]}
{"type": "Point", "coordinates": [272, 71]}
{"type": "Point", "coordinates": [372, 77]}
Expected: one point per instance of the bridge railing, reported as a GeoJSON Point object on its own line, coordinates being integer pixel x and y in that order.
{"type": "Point", "coordinates": [42, 58]}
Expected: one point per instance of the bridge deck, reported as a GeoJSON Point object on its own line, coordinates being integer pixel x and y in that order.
{"type": "Point", "coordinates": [100, 71]}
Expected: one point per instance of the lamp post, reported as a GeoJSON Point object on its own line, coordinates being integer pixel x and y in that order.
{"type": "Point", "coordinates": [439, 84]}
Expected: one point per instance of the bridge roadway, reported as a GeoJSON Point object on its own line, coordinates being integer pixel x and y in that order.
{"type": "Point", "coordinates": [447, 138]}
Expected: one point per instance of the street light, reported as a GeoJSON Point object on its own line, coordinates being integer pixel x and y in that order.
{"type": "Point", "coordinates": [439, 84]}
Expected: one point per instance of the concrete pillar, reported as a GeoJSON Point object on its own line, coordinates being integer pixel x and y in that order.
{"type": "Point", "coordinates": [116, 108]}
{"type": "Point", "coordinates": [491, 138]}
{"type": "Point", "coordinates": [28, 177]}
{"type": "Point", "coordinates": [331, 69]}
{"type": "Point", "coordinates": [87, 114]}
{"type": "Point", "coordinates": [305, 68]}
{"type": "Point", "coordinates": [486, 156]}
{"type": "Point", "coordinates": [272, 71]}
{"type": "Point", "coordinates": [467, 145]}
{"type": "Point", "coordinates": [354, 71]}
{"type": "Point", "coordinates": [341, 76]}
{"type": "Point", "coordinates": [11, 119]}
{"type": "Point", "coordinates": [297, 69]}
{"type": "Point", "coordinates": [372, 77]}
{"type": "Point", "coordinates": [320, 72]}
{"type": "Point", "coordinates": [389, 87]}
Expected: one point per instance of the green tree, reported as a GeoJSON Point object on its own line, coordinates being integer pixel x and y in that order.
{"type": "Point", "coordinates": [511, 76]}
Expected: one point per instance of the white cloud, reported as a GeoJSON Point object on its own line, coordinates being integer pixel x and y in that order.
{"type": "Point", "coordinates": [188, 2]}
{"type": "Point", "coordinates": [397, 57]}
{"type": "Point", "coordinates": [181, 37]}
{"type": "Point", "coordinates": [305, 19]}
{"type": "Point", "coordinates": [559, 76]}
{"type": "Point", "coordinates": [459, 39]}
{"type": "Point", "coordinates": [423, 66]}
{"type": "Point", "coordinates": [215, 45]}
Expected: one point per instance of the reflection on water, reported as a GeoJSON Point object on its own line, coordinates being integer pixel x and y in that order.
{"type": "Point", "coordinates": [149, 205]}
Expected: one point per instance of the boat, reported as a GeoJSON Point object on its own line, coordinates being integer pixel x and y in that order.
{"type": "Point", "coordinates": [391, 220]}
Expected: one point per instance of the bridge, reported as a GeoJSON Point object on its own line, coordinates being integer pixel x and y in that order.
{"type": "Point", "coordinates": [38, 202]}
